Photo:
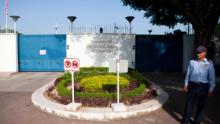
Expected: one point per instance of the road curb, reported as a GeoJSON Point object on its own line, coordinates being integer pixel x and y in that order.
{"type": "Point", "coordinates": [100, 114]}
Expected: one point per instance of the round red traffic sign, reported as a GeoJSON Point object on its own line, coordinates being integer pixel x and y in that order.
{"type": "Point", "coordinates": [68, 64]}
{"type": "Point", "coordinates": [75, 64]}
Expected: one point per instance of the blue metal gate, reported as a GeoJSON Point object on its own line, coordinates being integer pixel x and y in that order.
{"type": "Point", "coordinates": [41, 52]}
{"type": "Point", "coordinates": [158, 53]}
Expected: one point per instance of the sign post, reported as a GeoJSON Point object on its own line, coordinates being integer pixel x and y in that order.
{"type": "Point", "coordinates": [72, 65]}
{"type": "Point", "coordinates": [73, 87]}
{"type": "Point", "coordinates": [117, 63]}
{"type": "Point", "coordinates": [114, 66]}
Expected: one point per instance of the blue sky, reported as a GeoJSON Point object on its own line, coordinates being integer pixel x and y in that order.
{"type": "Point", "coordinates": [40, 16]}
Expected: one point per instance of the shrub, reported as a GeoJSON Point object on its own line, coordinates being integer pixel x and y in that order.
{"type": "Point", "coordinates": [133, 84]}
{"type": "Point", "coordinates": [88, 72]}
{"type": "Point", "coordinates": [102, 95]}
{"type": "Point", "coordinates": [136, 92]}
{"type": "Point", "coordinates": [94, 69]}
{"type": "Point", "coordinates": [97, 83]}
{"type": "Point", "coordinates": [62, 88]}
{"type": "Point", "coordinates": [66, 75]}
{"type": "Point", "coordinates": [138, 76]}
{"type": "Point", "coordinates": [97, 97]}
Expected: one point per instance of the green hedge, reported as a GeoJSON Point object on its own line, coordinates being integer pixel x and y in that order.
{"type": "Point", "coordinates": [98, 82]}
{"type": "Point", "coordinates": [62, 89]}
{"type": "Point", "coordinates": [91, 95]}
{"type": "Point", "coordinates": [91, 71]}
{"type": "Point", "coordinates": [136, 92]}
{"type": "Point", "coordinates": [94, 71]}
{"type": "Point", "coordinates": [138, 77]}
{"type": "Point", "coordinates": [64, 92]}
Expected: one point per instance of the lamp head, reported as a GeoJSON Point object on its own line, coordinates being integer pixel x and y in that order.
{"type": "Point", "coordinates": [129, 18]}
{"type": "Point", "coordinates": [71, 18]}
{"type": "Point", "coordinates": [15, 18]}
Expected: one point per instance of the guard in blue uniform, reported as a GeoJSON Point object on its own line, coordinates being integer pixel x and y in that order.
{"type": "Point", "coordinates": [199, 84]}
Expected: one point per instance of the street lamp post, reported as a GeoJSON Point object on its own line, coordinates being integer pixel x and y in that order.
{"type": "Point", "coordinates": [72, 19]}
{"type": "Point", "coordinates": [150, 31]}
{"type": "Point", "coordinates": [130, 19]}
{"type": "Point", "coordinates": [56, 28]}
{"type": "Point", "coordinates": [15, 18]}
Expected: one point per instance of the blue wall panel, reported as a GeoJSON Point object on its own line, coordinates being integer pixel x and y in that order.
{"type": "Point", "coordinates": [158, 53]}
{"type": "Point", "coordinates": [30, 58]}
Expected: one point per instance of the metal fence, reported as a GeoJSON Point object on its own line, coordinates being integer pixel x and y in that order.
{"type": "Point", "coordinates": [9, 31]}
{"type": "Point", "coordinates": [90, 29]}
{"type": "Point", "coordinates": [100, 29]}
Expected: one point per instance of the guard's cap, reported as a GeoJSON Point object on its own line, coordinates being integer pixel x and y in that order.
{"type": "Point", "coordinates": [201, 49]}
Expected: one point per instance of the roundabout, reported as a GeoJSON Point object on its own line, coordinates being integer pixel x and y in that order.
{"type": "Point", "coordinates": [42, 102]}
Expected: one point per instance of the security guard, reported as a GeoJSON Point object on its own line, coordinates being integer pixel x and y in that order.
{"type": "Point", "coordinates": [199, 84]}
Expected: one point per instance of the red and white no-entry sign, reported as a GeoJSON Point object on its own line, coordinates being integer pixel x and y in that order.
{"type": "Point", "coordinates": [71, 64]}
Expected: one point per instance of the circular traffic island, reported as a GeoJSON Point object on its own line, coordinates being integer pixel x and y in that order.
{"type": "Point", "coordinates": [96, 91]}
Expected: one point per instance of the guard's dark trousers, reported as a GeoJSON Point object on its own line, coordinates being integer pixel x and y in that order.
{"type": "Point", "coordinates": [197, 94]}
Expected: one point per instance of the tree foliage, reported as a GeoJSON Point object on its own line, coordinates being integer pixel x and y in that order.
{"type": "Point", "coordinates": [202, 14]}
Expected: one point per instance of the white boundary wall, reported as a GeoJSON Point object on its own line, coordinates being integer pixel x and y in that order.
{"type": "Point", "coordinates": [188, 50]}
{"type": "Point", "coordinates": [9, 53]}
{"type": "Point", "coordinates": [86, 47]}
{"type": "Point", "coordinates": [98, 49]}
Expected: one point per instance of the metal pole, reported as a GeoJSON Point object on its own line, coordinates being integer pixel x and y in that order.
{"type": "Point", "coordinates": [130, 28]}
{"type": "Point", "coordinates": [6, 27]}
{"type": "Point", "coordinates": [15, 27]}
{"type": "Point", "coordinates": [73, 95]}
{"type": "Point", "coordinates": [114, 28]}
{"type": "Point", "coordinates": [71, 26]}
{"type": "Point", "coordinates": [56, 28]}
{"type": "Point", "coordinates": [56, 31]}
{"type": "Point", "coordinates": [118, 69]}
{"type": "Point", "coordinates": [118, 81]}
{"type": "Point", "coordinates": [6, 16]}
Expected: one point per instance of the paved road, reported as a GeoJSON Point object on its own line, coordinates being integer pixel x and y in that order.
{"type": "Point", "coordinates": [172, 83]}
{"type": "Point", "coordinates": [16, 106]}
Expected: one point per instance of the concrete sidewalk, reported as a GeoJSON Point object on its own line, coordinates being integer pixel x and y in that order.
{"type": "Point", "coordinates": [5, 74]}
{"type": "Point", "coordinates": [26, 81]}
